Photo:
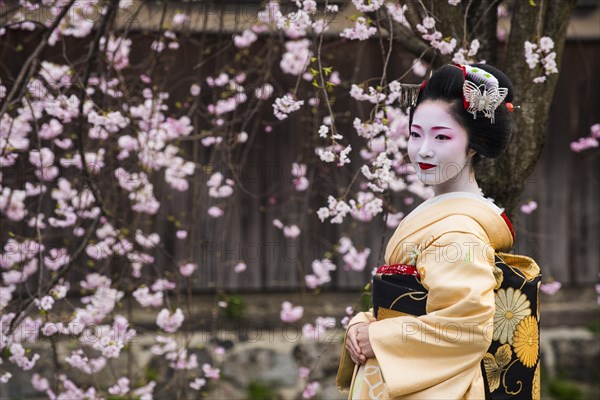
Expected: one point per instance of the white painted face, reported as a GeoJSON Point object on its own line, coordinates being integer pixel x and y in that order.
{"type": "Point", "coordinates": [438, 149]}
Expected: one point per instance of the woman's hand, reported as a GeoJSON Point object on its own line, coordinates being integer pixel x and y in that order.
{"type": "Point", "coordinates": [352, 343]}
{"type": "Point", "coordinates": [362, 337]}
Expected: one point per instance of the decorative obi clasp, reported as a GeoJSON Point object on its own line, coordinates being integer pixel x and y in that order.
{"type": "Point", "coordinates": [399, 269]}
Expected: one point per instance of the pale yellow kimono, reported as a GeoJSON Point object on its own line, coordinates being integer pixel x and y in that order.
{"type": "Point", "coordinates": [451, 239]}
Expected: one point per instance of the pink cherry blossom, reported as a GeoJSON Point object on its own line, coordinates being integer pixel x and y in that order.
{"type": "Point", "coordinates": [19, 358]}
{"type": "Point", "coordinates": [27, 331]}
{"type": "Point", "coordinates": [198, 383]}
{"type": "Point", "coordinates": [290, 313]}
{"type": "Point", "coordinates": [320, 275]}
{"type": "Point", "coordinates": [303, 372]}
{"type": "Point", "coordinates": [219, 187]}
{"type": "Point", "coordinates": [317, 331]}
{"type": "Point", "coordinates": [12, 203]}
{"type": "Point", "coordinates": [51, 129]}
{"type": "Point", "coordinates": [295, 24]}
{"type": "Point", "coordinates": [210, 372]}
{"type": "Point", "coordinates": [7, 295]}
{"type": "Point", "coordinates": [147, 241]}
{"type": "Point", "coordinates": [60, 290]}
{"type": "Point", "coordinates": [367, 5]}
{"type": "Point", "coordinates": [264, 92]}
{"type": "Point", "coordinates": [45, 303]}
{"type": "Point", "coordinates": [311, 390]}
{"type": "Point", "coordinates": [528, 207]}
{"type": "Point", "coordinates": [584, 144]}
{"type": "Point", "coordinates": [361, 30]}
{"type": "Point", "coordinates": [181, 18]}
{"type": "Point", "coordinates": [163, 284]}
{"type": "Point", "coordinates": [296, 58]}
{"type": "Point", "coordinates": [595, 131]}
{"type": "Point", "coordinates": [245, 39]}
{"type": "Point", "coordinates": [169, 322]}
{"type": "Point", "coordinates": [120, 388]}
{"type": "Point", "coordinates": [117, 51]}
{"type": "Point", "coordinates": [187, 269]}
{"type": "Point", "coordinates": [291, 231]}
{"type": "Point", "coordinates": [181, 234]}
{"type": "Point", "coordinates": [215, 212]}
{"type": "Point", "coordinates": [147, 298]}
{"type": "Point", "coordinates": [79, 360]}
{"type": "Point", "coordinates": [50, 328]}
{"type": "Point", "coordinates": [39, 383]}
{"type": "Point", "coordinates": [145, 392]}
{"type": "Point", "coordinates": [57, 76]}
{"type": "Point", "coordinates": [550, 288]}
{"type": "Point", "coordinates": [239, 267]}
{"type": "Point", "coordinates": [56, 259]}
{"type": "Point", "coordinates": [286, 105]}
{"type": "Point", "coordinates": [43, 160]}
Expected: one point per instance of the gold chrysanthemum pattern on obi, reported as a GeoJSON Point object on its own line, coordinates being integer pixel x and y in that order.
{"type": "Point", "coordinates": [511, 307]}
{"type": "Point", "coordinates": [526, 341]}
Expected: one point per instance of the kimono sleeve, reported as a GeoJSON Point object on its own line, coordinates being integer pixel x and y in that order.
{"type": "Point", "coordinates": [346, 367]}
{"type": "Point", "coordinates": [440, 352]}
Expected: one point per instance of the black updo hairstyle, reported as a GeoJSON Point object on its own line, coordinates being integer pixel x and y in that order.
{"type": "Point", "coordinates": [486, 138]}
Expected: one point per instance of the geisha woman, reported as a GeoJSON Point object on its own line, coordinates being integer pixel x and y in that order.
{"type": "Point", "coordinates": [432, 346]}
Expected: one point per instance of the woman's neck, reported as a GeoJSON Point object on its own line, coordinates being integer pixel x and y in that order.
{"type": "Point", "coordinates": [464, 182]}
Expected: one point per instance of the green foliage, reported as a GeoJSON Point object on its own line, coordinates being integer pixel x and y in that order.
{"type": "Point", "coordinates": [594, 326]}
{"type": "Point", "coordinates": [235, 306]}
{"type": "Point", "coordinates": [150, 374]}
{"type": "Point", "coordinates": [562, 389]}
{"type": "Point", "coordinates": [260, 391]}
{"type": "Point", "coordinates": [365, 298]}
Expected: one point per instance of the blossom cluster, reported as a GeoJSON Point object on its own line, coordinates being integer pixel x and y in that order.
{"type": "Point", "coordinates": [290, 313]}
{"type": "Point", "coordinates": [361, 30]}
{"type": "Point", "coordinates": [364, 209]}
{"type": "Point", "coordinates": [285, 105]}
{"type": "Point", "coordinates": [354, 260]}
{"type": "Point", "coordinates": [291, 231]}
{"type": "Point", "coordinates": [464, 56]}
{"type": "Point", "coordinates": [317, 331]}
{"type": "Point", "coordinates": [436, 39]}
{"type": "Point", "coordinates": [321, 273]}
{"type": "Point", "coordinates": [334, 152]}
{"type": "Point", "coordinates": [587, 142]}
{"type": "Point", "coordinates": [541, 54]}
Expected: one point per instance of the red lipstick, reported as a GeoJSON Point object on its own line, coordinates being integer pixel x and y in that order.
{"type": "Point", "coordinates": [425, 166]}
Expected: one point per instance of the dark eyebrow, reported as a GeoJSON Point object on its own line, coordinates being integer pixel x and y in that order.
{"type": "Point", "coordinates": [433, 128]}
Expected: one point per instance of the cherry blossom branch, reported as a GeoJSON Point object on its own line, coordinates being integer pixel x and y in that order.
{"type": "Point", "coordinates": [29, 66]}
{"type": "Point", "coordinates": [29, 304]}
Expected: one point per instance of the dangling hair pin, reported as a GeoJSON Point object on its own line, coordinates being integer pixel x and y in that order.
{"type": "Point", "coordinates": [409, 94]}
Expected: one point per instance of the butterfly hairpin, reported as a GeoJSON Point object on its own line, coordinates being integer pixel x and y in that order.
{"type": "Point", "coordinates": [485, 96]}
